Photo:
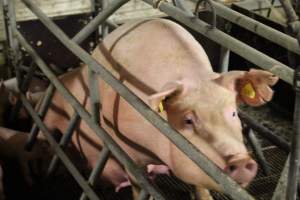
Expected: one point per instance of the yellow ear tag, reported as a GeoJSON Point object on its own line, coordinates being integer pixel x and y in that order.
{"type": "Point", "coordinates": [160, 107]}
{"type": "Point", "coordinates": [248, 91]}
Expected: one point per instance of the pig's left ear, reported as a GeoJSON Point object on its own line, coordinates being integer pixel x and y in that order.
{"type": "Point", "coordinates": [171, 91]}
{"type": "Point", "coordinates": [253, 87]}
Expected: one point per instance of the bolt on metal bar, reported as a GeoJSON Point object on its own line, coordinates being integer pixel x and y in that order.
{"type": "Point", "coordinates": [229, 186]}
{"type": "Point", "coordinates": [254, 26]}
{"type": "Point", "coordinates": [291, 193]}
{"type": "Point", "coordinates": [103, 157]}
{"type": "Point", "coordinates": [238, 47]}
{"type": "Point", "coordinates": [67, 136]}
{"type": "Point", "coordinates": [100, 18]}
{"type": "Point", "coordinates": [42, 112]}
{"type": "Point", "coordinates": [253, 141]}
{"type": "Point", "coordinates": [59, 152]}
{"type": "Point", "coordinates": [111, 144]}
{"type": "Point", "coordinates": [263, 131]}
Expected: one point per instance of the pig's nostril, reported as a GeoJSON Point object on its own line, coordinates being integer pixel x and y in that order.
{"type": "Point", "coordinates": [232, 168]}
{"type": "Point", "coordinates": [250, 166]}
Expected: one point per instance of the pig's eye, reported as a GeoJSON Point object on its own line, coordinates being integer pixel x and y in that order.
{"type": "Point", "coordinates": [188, 121]}
{"type": "Point", "coordinates": [233, 114]}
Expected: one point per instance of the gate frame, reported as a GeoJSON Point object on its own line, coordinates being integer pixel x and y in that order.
{"type": "Point", "coordinates": [256, 57]}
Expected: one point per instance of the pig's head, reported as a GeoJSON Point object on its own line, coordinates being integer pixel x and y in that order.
{"type": "Point", "coordinates": [206, 114]}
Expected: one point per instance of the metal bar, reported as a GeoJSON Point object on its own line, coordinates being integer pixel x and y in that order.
{"type": "Point", "coordinates": [144, 195]}
{"type": "Point", "coordinates": [230, 186]}
{"type": "Point", "coordinates": [103, 157]}
{"type": "Point", "coordinates": [94, 95]}
{"type": "Point", "coordinates": [260, 29]}
{"type": "Point", "coordinates": [289, 10]}
{"type": "Point", "coordinates": [257, 150]}
{"type": "Point", "coordinates": [224, 59]}
{"type": "Point", "coordinates": [182, 5]}
{"type": "Point", "coordinates": [281, 188]}
{"type": "Point", "coordinates": [263, 131]}
{"type": "Point", "coordinates": [104, 27]}
{"type": "Point", "coordinates": [59, 152]}
{"type": "Point", "coordinates": [111, 144]}
{"type": "Point", "coordinates": [23, 89]}
{"type": "Point", "coordinates": [12, 24]}
{"type": "Point", "coordinates": [42, 112]}
{"type": "Point", "coordinates": [67, 136]}
{"type": "Point", "coordinates": [291, 193]}
{"type": "Point", "coordinates": [238, 47]}
{"type": "Point", "coordinates": [100, 18]}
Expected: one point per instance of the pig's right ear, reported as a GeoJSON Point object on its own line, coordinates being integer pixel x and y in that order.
{"type": "Point", "coordinates": [170, 91]}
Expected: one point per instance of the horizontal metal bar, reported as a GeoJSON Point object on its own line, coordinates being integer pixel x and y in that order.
{"type": "Point", "coordinates": [59, 152]}
{"type": "Point", "coordinates": [111, 144]}
{"type": "Point", "coordinates": [263, 131]}
{"type": "Point", "coordinates": [238, 47]}
{"type": "Point", "coordinates": [254, 26]}
{"type": "Point", "coordinates": [229, 186]}
{"type": "Point", "coordinates": [100, 18]}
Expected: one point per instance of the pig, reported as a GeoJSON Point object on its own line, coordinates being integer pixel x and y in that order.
{"type": "Point", "coordinates": [168, 69]}
{"type": "Point", "coordinates": [12, 145]}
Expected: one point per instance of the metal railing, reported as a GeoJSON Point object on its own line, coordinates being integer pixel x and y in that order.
{"type": "Point", "coordinates": [110, 146]}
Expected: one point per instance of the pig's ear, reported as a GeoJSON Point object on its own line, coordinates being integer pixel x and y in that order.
{"type": "Point", "coordinates": [253, 87]}
{"type": "Point", "coordinates": [171, 90]}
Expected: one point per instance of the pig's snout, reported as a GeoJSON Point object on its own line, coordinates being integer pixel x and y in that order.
{"type": "Point", "coordinates": [241, 168]}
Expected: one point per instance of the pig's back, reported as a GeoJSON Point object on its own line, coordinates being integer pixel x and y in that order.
{"type": "Point", "coordinates": [147, 54]}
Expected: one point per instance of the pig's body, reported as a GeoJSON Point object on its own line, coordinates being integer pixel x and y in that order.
{"type": "Point", "coordinates": [150, 58]}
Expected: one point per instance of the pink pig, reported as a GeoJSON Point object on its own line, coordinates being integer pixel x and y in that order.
{"type": "Point", "coordinates": [168, 69]}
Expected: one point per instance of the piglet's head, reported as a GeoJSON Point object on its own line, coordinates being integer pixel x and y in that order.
{"type": "Point", "coordinates": [206, 114]}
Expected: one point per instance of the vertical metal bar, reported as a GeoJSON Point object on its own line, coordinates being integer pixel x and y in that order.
{"type": "Point", "coordinates": [104, 27]}
{"type": "Point", "coordinates": [103, 157]}
{"type": "Point", "coordinates": [291, 193]}
{"type": "Point", "coordinates": [144, 195]}
{"type": "Point", "coordinates": [42, 112]}
{"type": "Point", "coordinates": [257, 150]}
{"type": "Point", "coordinates": [100, 18]}
{"type": "Point", "coordinates": [15, 53]}
{"type": "Point", "coordinates": [224, 59]}
{"type": "Point", "coordinates": [280, 191]}
{"type": "Point", "coordinates": [23, 88]}
{"type": "Point", "coordinates": [67, 136]}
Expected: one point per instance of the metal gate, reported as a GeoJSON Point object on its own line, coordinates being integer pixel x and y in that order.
{"type": "Point", "coordinates": [181, 14]}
